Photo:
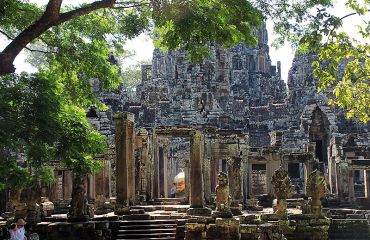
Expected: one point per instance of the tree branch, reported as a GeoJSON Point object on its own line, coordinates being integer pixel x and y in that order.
{"type": "Point", "coordinates": [29, 49]}
{"type": "Point", "coordinates": [85, 10]}
{"type": "Point", "coordinates": [53, 9]}
{"type": "Point", "coordinates": [131, 6]}
{"type": "Point", "coordinates": [349, 15]}
{"type": "Point", "coordinates": [6, 35]}
{"type": "Point", "coordinates": [50, 18]}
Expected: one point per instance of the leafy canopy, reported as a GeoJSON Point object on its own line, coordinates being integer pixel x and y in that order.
{"type": "Point", "coordinates": [38, 125]}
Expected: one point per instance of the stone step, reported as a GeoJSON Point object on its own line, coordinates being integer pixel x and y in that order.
{"type": "Point", "coordinates": [152, 238]}
{"type": "Point", "coordinates": [143, 222]}
{"type": "Point", "coordinates": [173, 207]}
{"type": "Point", "coordinates": [163, 201]}
{"type": "Point", "coordinates": [137, 211]}
{"type": "Point", "coordinates": [146, 226]}
{"type": "Point", "coordinates": [136, 217]}
{"type": "Point", "coordinates": [145, 235]}
{"type": "Point", "coordinates": [147, 230]}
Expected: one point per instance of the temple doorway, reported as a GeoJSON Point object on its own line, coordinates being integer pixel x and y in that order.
{"type": "Point", "coordinates": [318, 134]}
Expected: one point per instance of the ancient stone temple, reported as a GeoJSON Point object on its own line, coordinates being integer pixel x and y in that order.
{"type": "Point", "coordinates": [232, 113]}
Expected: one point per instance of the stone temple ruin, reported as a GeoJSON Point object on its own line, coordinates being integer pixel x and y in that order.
{"type": "Point", "coordinates": [233, 114]}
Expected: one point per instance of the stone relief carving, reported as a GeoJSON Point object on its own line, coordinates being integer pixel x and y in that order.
{"type": "Point", "coordinates": [223, 198]}
{"type": "Point", "coordinates": [316, 189]}
{"type": "Point", "coordinates": [283, 188]}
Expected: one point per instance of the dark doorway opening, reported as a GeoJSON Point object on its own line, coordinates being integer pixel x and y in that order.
{"type": "Point", "coordinates": [321, 152]}
{"type": "Point", "coordinates": [258, 167]}
{"type": "Point", "coordinates": [224, 166]}
{"type": "Point", "coordinates": [319, 133]}
{"type": "Point", "coordinates": [293, 170]}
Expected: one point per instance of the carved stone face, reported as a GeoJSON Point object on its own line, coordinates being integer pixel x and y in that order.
{"type": "Point", "coordinates": [222, 179]}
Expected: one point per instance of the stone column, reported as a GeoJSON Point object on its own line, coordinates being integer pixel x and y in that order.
{"type": "Point", "coordinates": [367, 185]}
{"type": "Point", "coordinates": [125, 175]}
{"type": "Point", "coordinates": [109, 179]}
{"type": "Point", "coordinates": [68, 178]}
{"type": "Point", "coordinates": [145, 162]}
{"type": "Point", "coordinates": [167, 182]}
{"type": "Point", "coordinates": [207, 179]}
{"type": "Point", "coordinates": [332, 176]}
{"type": "Point", "coordinates": [351, 186]}
{"type": "Point", "coordinates": [187, 181]}
{"type": "Point", "coordinates": [91, 188]}
{"type": "Point", "coordinates": [207, 170]}
{"type": "Point", "coordinates": [155, 165]}
{"type": "Point", "coordinates": [131, 159]}
{"type": "Point", "coordinates": [196, 175]}
{"type": "Point", "coordinates": [342, 179]}
{"type": "Point", "coordinates": [236, 184]}
{"type": "Point", "coordinates": [245, 180]}
{"type": "Point", "coordinates": [149, 167]}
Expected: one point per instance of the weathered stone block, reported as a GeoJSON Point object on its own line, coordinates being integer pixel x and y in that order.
{"type": "Point", "coordinates": [248, 219]}
{"type": "Point", "coordinates": [195, 227]}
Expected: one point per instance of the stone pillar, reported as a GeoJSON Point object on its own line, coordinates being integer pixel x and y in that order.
{"type": "Point", "coordinates": [131, 159]}
{"type": "Point", "coordinates": [235, 173]}
{"type": "Point", "coordinates": [125, 167]}
{"type": "Point", "coordinates": [145, 163]}
{"type": "Point", "coordinates": [167, 182]}
{"type": "Point", "coordinates": [207, 171]}
{"type": "Point", "coordinates": [332, 176]}
{"type": "Point", "coordinates": [149, 167]}
{"type": "Point", "coordinates": [91, 188]}
{"type": "Point", "coordinates": [102, 185]}
{"type": "Point", "coordinates": [109, 179]}
{"type": "Point", "coordinates": [351, 186]}
{"type": "Point", "coordinates": [196, 175]}
{"type": "Point", "coordinates": [207, 179]}
{"type": "Point", "coordinates": [155, 165]}
{"type": "Point", "coordinates": [342, 179]}
{"type": "Point", "coordinates": [68, 179]}
{"type": "Point", "coordinates": [187, 181]}
{"type": "Point", "coordinates": [367, 186]}
{"type": "Point", "coordinates": [245, 180]}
